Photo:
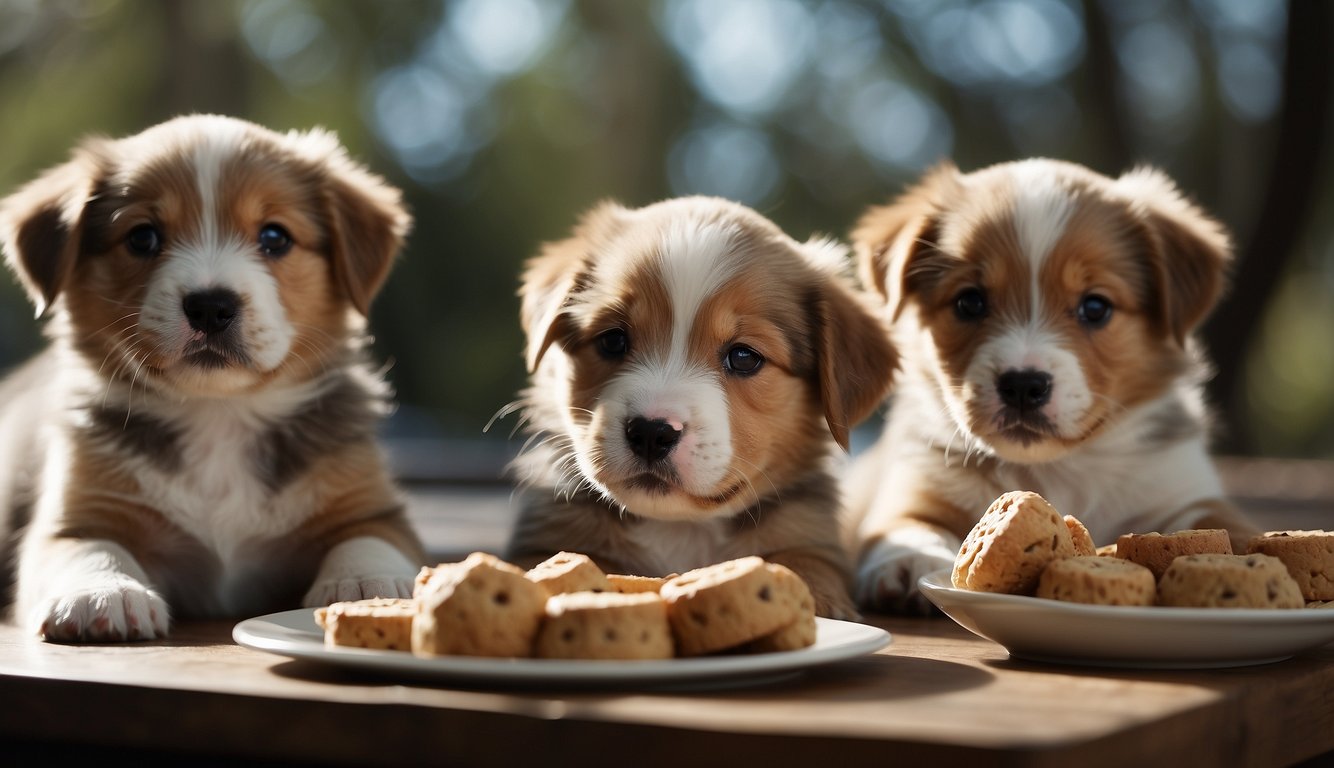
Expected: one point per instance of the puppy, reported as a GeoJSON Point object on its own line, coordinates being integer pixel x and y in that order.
{"type": "Point", "coordinates": [1045, 317]}
{"type": "Point", "coordinates": [198, 439]}
{"type": "Point", "coordinates": [693, 369]}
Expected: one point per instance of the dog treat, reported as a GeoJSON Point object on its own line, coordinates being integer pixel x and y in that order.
{"type": "Point", "coordinates": [1309, 556]}
{"type": "Point", "coordinates": [1098, 581]}
{"type": "Point", "coordinates": [423, 576]}
{"type": "Point", "coordinates": [482, 606]}
{"type": "Point", "coordinates": [795, 636]}
{"type": "Point", "coordinates": [1079, 536]}
{"type": "Point", "coordinates": [485, 606]}
{"type": "Point", "coordinates": [1106, 550]}
{"type": "Point", "coordinates": [383, 623]}
{"type": "Point", "coordinates": [1018, 535]}
{"type": "Point", "coordinates": [800, 633]}
{"type": "Point", "coordinates": [631, 584]}
{"type": "Point", "coordinates": [569, 572]}
{"type": "Point", "coordinates": [605, 625]}
{"type": "Point", "coordinates": [725, 605]}
{"type": "Point", "coordinates": [1229, 581]}
{"type": "Point", "coordinates": [1156, 551]}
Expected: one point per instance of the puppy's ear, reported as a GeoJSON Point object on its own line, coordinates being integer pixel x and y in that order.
{"type": "Point", "coordinates": [368, 221]}
{"type": "Point", "coordinates": [890, 238]}
{"type": "Point", "coordinates": [1190, 253]}
{"type": "Point", "coordinates": [42, 223]}
{"type": "Point", "coordinates": [857, 361]}
{"type": "Point", "coordinates": [551, 277]}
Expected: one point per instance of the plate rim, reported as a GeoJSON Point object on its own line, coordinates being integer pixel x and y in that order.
{"type": "Point", "coordinates": [938, 581]}
{"type": "Point", "coordinates": [306, 641]}
{"type": "Point", "coordinates": [1268, 634]}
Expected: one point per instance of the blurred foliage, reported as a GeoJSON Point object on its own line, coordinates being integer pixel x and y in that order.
{"type": "Point", "coordinates": [503, 119]}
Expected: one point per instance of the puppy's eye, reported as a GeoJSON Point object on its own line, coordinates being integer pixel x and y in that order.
{"type": "Point", "coordinates": [144, 240]}
{"type": "Point", "coordinates": [1094, 311]}
{"type": "Point", "coordinates": [970, 305]}
{"type": "Point", "coordinates": [613, 344]}
{"type": "Point", "coordinates": [274, 241]}
{"type": "Point", "coordinates": [742, 360]}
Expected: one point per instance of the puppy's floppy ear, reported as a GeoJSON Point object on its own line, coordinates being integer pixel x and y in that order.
{"type": "Point", "coordinates": [42, 223]}
{"type": "Point", "coordinates": [1189, 252]}
{"type": "Point", "coordinates": [368, 221]}
{"type": "Point", "coordinates": [551, 277]}
{"type": "Point", "coordinates": [889, 238]}
{"type": "Point", "coordinates": [856, 359]}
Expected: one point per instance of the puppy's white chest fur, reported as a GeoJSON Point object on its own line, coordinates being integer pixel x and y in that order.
{"type": "Point", "coordinates": [216, 492]}
{"type": "Point", "coordinates": [1121, 479]}
{"type": "Point", "coordinates": [679, 546]}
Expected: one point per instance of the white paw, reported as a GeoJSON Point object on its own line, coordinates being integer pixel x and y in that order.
{"type": "Point", "coordinates": [122, 609]}
{"type": "Point", "coordinates": [358, 588]}
{"type": "Point", "coordinates": [887, 576]}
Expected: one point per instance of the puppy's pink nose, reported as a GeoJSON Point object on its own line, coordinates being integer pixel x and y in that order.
{"type": "Point", "coordinates": [651, 439]}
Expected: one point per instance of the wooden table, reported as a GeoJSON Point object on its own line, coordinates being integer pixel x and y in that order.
{"type": "Point", "coordinates": [935, 694]}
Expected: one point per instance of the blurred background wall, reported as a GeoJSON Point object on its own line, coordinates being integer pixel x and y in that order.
{"type": "Point", "coordinates": [503, 119]}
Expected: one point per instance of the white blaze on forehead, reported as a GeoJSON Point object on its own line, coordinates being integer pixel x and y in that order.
{"type": "Point", "coordinates": [694, 263]}
{"type": "Point", "coordinates": [1042, 208]}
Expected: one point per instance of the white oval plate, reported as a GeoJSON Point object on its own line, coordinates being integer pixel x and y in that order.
{"type": "Point", "coordinates": [1122, 636]}
{"type": "Point", "coordinates": [294, 634]}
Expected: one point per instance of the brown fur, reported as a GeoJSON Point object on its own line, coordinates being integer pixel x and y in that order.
{"type": "Point", "coordinates": [105, 398]}
{"type": "Point", "coordinates": [827, 363]}
{"type": "Point", "coordinates": [1159, 260]}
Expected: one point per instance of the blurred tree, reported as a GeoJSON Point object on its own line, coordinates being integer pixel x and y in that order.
{"type": "Point", "coordinates": [1286, 202]}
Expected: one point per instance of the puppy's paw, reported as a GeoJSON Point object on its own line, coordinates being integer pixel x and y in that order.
{"type": "Point", "coordinates": [888, 573]}
{"type": "Point", "coordinates": [120, 610]}
{"type": "Point", "coordinates": [357, 588]}
{"type": "Point", "coordinates": [836, 605]}
{"type": "Point", "coordinates": [361, 568]}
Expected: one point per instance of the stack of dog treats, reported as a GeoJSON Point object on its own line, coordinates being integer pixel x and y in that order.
{"type": "Point", "coordinates": [1022, 545]}
{"type": "Point", "coordinates": [568, 608]}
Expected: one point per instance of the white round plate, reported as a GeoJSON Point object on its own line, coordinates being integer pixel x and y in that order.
{"type": "Point", "coordinates": [1121, 636]}
{"type": "Point", "coordinates": [294, 634]}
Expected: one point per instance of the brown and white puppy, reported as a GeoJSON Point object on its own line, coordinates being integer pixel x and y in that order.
{"type": "Point", "coordinates": [1044, 313]}
{"type": "Point", "coordinates": [198, 439]}
{"type": "Point", "coordinates": [693, 370]}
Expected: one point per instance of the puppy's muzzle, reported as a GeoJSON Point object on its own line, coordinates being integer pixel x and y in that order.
{"type": "Point", "coordinates": [1025, 391]}
{"type": "Point", "coordinates": [210, 312]}
{"type": "Point", "coordinates": [651, 439]}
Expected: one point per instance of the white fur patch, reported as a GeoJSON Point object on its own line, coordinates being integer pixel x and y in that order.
{"type": "Point", "coordinates": [1042, 208]}
{"type": "Point", "coordinates": [361, 568]}
{"type": "Point", "coordinates": [221, 501]}
{"type": "Point", "coordinates": [887, 574]}
{"type": "Point", "coordinates": [693, 264]}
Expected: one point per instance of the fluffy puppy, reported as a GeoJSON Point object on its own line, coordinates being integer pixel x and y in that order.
{"type": "Point", "coordinates": [693, 370]}
{"type": "Point", "coordinates": [198, 438]}
{"type": "Point", "coordinates": [1045, 316]}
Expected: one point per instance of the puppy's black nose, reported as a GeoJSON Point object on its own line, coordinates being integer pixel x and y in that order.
{"type": "Point", "coordinates": [651, 439]}
{"type": "Point", "coordinates": [1026, 390]}
{"type": "Point", "coordinates": [210, 311]}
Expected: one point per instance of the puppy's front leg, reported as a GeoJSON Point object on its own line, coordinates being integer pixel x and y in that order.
{"type": "Point", "coordinates": [362, 567]}
{"type": "Point", "coordinates": [87, 590]}
{"type": "Point", "coordinates": [828, 582]}
{"type": "Point", "coordinates": [891, 564]}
